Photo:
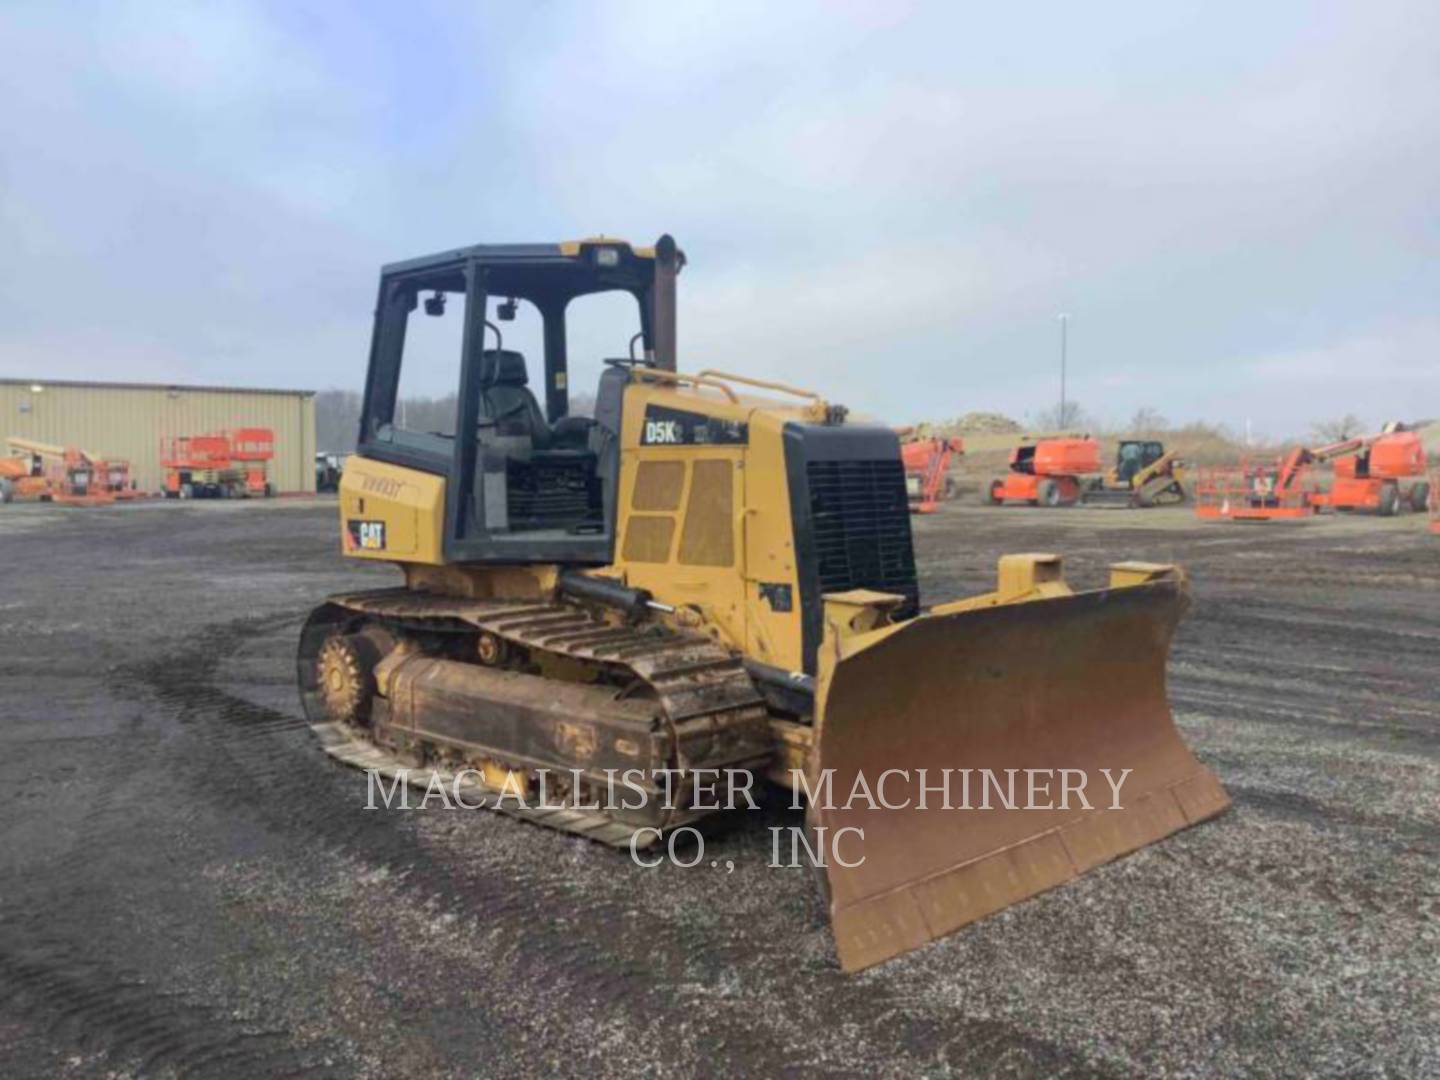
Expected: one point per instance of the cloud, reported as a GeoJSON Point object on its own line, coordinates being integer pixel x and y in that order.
{"type": "Point", "coordinates": [889, 202]}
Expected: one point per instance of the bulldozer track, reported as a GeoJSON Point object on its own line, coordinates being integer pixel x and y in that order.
{"type": "Point", "coordinates": [343, 745]}
{"type": "Point", "coordinates": [697, 680]}
{"type": "Point", "coordinates": [701, 688]}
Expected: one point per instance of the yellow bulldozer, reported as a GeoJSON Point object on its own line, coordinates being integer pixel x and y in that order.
{"type": "Point", "coordinates": [710, 575]}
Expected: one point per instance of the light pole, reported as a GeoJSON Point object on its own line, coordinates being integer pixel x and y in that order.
{"type": "Point", "coordinates": [1064, 342]}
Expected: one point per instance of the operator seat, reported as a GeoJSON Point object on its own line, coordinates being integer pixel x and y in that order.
{"type": "Point", "coordinates": [506, 399]}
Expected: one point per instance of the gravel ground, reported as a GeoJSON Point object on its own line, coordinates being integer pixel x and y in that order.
{"type": "Point", "coordinates": [191, 888]}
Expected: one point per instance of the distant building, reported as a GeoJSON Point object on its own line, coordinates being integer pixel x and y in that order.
{"type": "Point", "coordinates": [128, 420]}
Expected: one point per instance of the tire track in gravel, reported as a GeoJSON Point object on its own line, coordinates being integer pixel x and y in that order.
{"type": "Point", "coordinates": [599, 961]}
{"type": "Point", "coordinates": [1295, 806]}
{"type": "Point", "coordinates": [98, 1007]}
{"type": "Point", "coordinates": [50, 972]}
{"type": "Point", "coordinates": [251, 759]}
{"type": "Point", "coordinates": [581, 939]}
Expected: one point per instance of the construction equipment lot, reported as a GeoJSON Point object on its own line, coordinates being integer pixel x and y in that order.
{"type": "Point", "coordinates": [192, 887]}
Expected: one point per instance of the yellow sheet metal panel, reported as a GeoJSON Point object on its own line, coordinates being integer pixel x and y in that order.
{"type": "Point", "coordinates": [128, 420]}
{"type": "Point", "coordinates": [391, 513]}
{"type": "Point", "coordinates": [658, 485]}
{"type": "Point", "coordinates": [709, 536]}
{"type": "Point", "coordinates": [647, 539]}
{"type": "Point", "coordinates": [689, 562]}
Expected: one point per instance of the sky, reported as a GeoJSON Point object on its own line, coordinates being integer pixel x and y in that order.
{"type": "Point", "coordinates": [1234, 203]}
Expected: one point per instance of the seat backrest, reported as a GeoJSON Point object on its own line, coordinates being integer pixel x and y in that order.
{"type": "Point", "coordinates": [505, 397]}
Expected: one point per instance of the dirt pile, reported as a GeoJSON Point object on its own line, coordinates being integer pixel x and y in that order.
{"type": "Point", "coordinates": [974, 423]}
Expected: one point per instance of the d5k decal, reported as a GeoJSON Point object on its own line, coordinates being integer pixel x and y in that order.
{"type": "Point", "coordinates": [676, 427]}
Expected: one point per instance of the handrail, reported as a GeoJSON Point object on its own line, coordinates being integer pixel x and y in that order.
{"type": "Point", "coordinates": [703, 379]}
{"type": "Point", "coordinates": [710, 373]}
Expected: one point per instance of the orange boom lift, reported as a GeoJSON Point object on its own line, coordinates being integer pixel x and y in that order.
{"type": "Point", "coordinates": [1369, 475]}
{"type": "Point", "coordinates": [1435, 502]}
{"type": "Point", "coordinates": [49, 473]}
{"type": "Point", "coordinates": [23, 477]}
{"type": "Point", "coordinates": [112, 475]}
{"type": "Point", "coordinates": [927, 468]}
{"type": "Point", "coordinates": [1050, 472]}
{"type": "Point", "coordinates": [1381, 474]}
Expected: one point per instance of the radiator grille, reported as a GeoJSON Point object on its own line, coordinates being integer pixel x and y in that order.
{"type": "Point", "coordinates": [861, 522]}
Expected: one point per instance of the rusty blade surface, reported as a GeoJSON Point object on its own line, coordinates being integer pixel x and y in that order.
{"type": "Point", "coordinates": [1075, 682]}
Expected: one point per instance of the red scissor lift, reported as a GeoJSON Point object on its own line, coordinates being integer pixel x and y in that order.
{"type": "Point", "coordinates": [252, 449]}
{"type": "Point", "coordinates": [231, 464]}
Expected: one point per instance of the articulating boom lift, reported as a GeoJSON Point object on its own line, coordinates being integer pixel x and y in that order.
{"type": "Point", "coordinates": [927, 460]}
{"type": "Point", "coordinates": [1368, 475]}
{"type": "Point", "coordinates": [1381, 474]}
{"type": "Point", "coordinates": [50, 473]}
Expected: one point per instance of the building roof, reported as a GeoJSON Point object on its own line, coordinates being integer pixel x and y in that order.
{"type": "Point", "coordinates": [97, 385]}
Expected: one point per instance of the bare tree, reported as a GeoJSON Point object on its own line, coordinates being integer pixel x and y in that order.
{"type": "Point", "coordinates": [1147, 420]}
{"type": "Point", "coordinates": [1072, 417]}
{"type": "Point", "coordinates": [337, 421]}
{"type": "Point", "coordinates": [1331, 431]}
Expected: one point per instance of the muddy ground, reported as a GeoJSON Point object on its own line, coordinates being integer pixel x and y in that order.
{"type": "Point", "coordinates": [191, 888]}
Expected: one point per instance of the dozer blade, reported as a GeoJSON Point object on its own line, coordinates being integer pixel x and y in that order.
{"type": "Point", "coordinates": [1074, 682]}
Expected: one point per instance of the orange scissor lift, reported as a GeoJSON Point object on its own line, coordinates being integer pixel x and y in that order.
{"type": "Point", "coordinates": [252, 449]}
{"type": "Point", "coordinates": [230, 464]}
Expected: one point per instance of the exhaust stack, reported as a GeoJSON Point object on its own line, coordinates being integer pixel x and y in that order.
{"type": "Point", "coordinates": [668, 261]}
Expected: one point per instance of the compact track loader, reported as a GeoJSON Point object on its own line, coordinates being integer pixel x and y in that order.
{"type": "Point", "coordinates": [716, 573]}
{"type": "Point", "coordinates": [1145, 474]}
